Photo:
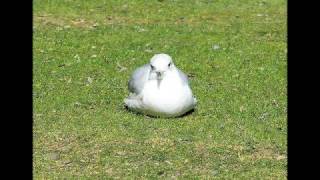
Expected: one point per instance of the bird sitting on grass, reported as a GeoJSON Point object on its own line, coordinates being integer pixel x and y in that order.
{"type": "Point", "coordinates": [160, 89]}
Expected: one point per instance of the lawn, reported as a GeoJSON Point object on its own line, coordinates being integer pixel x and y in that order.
{"type": "Point", "coordinates": [234, 53]}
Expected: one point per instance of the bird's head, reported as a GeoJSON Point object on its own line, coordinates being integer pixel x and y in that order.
{"type": "Point", "coordinates": [160, 64]}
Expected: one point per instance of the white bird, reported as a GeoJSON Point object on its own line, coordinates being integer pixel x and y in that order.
{"type": "Point", "coordinates": [160, 89]}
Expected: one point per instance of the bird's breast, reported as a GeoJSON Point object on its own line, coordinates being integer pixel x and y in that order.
{"type": "Point", "coordinates": [170, 96]}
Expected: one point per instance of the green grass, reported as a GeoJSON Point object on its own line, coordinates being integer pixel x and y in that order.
{"type": "Point", "coordinates": [85, 51]}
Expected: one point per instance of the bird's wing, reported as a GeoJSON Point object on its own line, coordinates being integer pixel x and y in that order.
{"type": "Point", "coordinates": [138, 79]}
{"type": "Point", "coordinates": [183, 77]}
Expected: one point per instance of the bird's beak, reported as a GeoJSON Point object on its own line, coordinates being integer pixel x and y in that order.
{"type": "Point", "coordinates": [159, 78]}
{"type": "Point", "coordinates": [159, 75]}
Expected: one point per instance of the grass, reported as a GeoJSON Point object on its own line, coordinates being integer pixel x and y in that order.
{"type": "Point", "coordinates": [235, 54]}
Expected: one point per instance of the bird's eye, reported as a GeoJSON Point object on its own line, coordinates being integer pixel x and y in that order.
{"type": "Point", "coordinates": [169, 64]}
{"type": "Point", "coordinates": [152, 67]}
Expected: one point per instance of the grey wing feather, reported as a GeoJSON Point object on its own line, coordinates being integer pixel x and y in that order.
{"type": "Point", "coordinates": [183, 76]}
{"type": "Point", "coordinates": [138, 79]}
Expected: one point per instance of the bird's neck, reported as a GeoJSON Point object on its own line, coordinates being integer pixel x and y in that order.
{"type": "Point", "coordinates": [170, 78]}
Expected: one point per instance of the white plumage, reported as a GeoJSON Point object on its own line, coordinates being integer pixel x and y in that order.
{"type": "Point", "coordinates": [160, 89]}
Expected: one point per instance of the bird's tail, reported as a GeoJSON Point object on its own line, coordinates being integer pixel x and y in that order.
{"type": "Point", "coordinates": [133, 102]}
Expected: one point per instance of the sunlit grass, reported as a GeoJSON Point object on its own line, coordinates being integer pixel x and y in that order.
{"type": "Point", "coordinates": [233, 51]}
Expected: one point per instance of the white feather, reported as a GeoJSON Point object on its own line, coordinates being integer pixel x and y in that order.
{"type": "Point", "coordinates": [169, 97]}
